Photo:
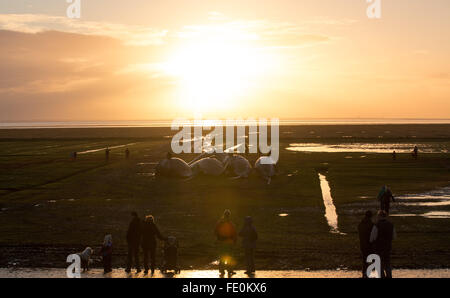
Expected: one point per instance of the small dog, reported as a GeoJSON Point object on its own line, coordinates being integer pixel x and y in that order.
{"type": "Point", "coordinates": [85, 257]}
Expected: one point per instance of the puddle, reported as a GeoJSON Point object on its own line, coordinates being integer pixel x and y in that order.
{"type": "Point", "coordinates": [101, 149]}
{"type": "Point", "coordinates": [330, 209]}
{"type": "Point", "coordinates": [432, 214]}
{"type": "Point", "coordinates": [436, 198]}
{"type": "Point", "coordinates": [283, 214]}
{"type": "Point", "coordinates": [147, 163]}
{"type": "Point", "coordinates": [437, 214]}
{"type": "Point", "coordinates": [367, 147]}
{"type": "Point", "coordinates": [146, 174]}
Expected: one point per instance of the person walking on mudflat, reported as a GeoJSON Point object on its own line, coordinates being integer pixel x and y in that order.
{"type": "Point", "coordinates": [225, 232]}
{"type": "Point", "coordinates": [133, 240]}
{"type": "Point", "coordinates": [364, 230]}
{"type": "Point", "coordinates": [383, 232]}
{"type": "Point", "coordinates": [385, 196]}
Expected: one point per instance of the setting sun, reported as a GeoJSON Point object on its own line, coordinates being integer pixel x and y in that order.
{"type": "Point", "coordinates": [213, 75]}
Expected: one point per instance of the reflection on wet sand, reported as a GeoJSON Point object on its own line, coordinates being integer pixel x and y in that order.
{"type": "Point", "coordinates": [432, 214]}
{"type": "Point", "coordinates": [104, 148]}
{"type": "Point", "coordinates": [366, 147]}
{"type": "Point", "coordinates": [330, 209]}
{"type": "Point", "coordinates": [120, 273]}
{"type": "Point", "coordinates": [436, 198]}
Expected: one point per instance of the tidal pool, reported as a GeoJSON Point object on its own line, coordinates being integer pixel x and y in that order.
{"type": "Point", "coordinates": [436, 198]}
{"type": "Point", "coordinates": [367, 147]}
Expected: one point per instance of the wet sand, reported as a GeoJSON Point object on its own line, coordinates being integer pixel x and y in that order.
{"type": "Point", "coordinates": [120, 273]}
{"type": "Point", "coordinates": [52, 205]}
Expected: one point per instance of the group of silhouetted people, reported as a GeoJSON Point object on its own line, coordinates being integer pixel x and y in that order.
{"type": "Point", "coordinates": [414, 153]}
{"type": "Point", "coordinates": [226, 235]}
{"type": "Point", "coordinates": [376, 234]}
{"type": "Point", "coordinates": [144, 234]}
{"type": "Point", "coordinates": [74, 154]}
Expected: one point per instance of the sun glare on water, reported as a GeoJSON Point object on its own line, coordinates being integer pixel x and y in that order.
{"type": "Point", "coordinates": [212, 76]}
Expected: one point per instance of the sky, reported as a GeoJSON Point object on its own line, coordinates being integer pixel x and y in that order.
{"type": "Point", "coordinates": [167, 59]}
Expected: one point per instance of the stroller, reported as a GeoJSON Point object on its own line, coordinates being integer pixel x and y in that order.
{"type": "Point", "coordinates": [170, 255]}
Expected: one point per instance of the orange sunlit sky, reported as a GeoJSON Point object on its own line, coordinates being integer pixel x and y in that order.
{"type": "Point", "coordinates": [165, 59]}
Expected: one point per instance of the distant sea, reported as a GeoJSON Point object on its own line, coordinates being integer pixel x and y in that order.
{"type": "Point", "coordinates": [167, 123]}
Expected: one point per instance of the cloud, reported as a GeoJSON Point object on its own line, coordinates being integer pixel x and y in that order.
{"type": "Point", "coordinates": [265, 33]}
{"type": "Point", "coordinates": [59, 68]}
{"type": "Point", "coordinates": [34, 23]}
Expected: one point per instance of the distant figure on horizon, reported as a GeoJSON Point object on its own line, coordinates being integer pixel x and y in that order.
{"type": "Point", "coordinates": [383, 232]}
{"type": "Point", "coordinates": [225, 232]}
{"type": "Point", "coordinates": [415, 152]}
{"type": "Point", "coordinates": [249, 237]}
{"type": "Point", "coordinates": [107, 150]}
{"type": "Point", "coordinates": [394, 155]}
{"type": "Point", "coordinates": [127, 153]}
{"type": "Point", "coordinates": [106, 252]}
{"type": "Point", "coordinates": [74, 155]}
{"type": "Point", "coordinates": [385, 196]}
{"type": "Point", "coordinates": [149, 234]}
{"type": "Point", "coordinates": [364, 230]}
{"type": "Point", "coordinates": [133, 240]}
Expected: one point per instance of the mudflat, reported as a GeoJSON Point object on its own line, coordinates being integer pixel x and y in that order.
{"type": "Point", "coordinates": [52, 205]}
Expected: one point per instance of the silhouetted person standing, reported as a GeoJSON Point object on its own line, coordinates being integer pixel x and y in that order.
{"type": "Point", "coordinates": [382, 234]}
{"type": "Point", "coordinates": [249, 237]}
{"type": "Point", "coordinates": [127, 153]}
{"type": "Point", "coordinates": [149, 234]}
{"type": "Point", "coordinates": [225, 232]}
{"type": "Point", "coordinates": [364, 231]}
{"type": "Point", "coordinates": [385, 196]}
{"type": "Point", "coordinates": [394, 155]}
{"type": "Point", "coordinates": [106, 252]}
{"type": "Point", "coordinates": [415, 152]}
{"type": "Point", "coordinates": [133, 240]}
{"type": "Point", "coordinates": [107, 151]}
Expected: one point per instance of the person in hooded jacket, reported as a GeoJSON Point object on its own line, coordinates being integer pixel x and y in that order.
{"type": "Point", "coordinates": [106, 252]}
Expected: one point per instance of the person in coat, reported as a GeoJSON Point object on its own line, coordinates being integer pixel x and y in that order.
{"type": "Point", "coordinates": [150, 233]}
{"type": "Point", "coordinates": [364, 230]}
{"type": "Point", "coordinates": [249, 237]}
{"type": "Point", "coordinates": [133, 241]}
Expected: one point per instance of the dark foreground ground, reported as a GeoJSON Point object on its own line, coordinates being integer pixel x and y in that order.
{"type": "Point", "coordinates": [52, 206]}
